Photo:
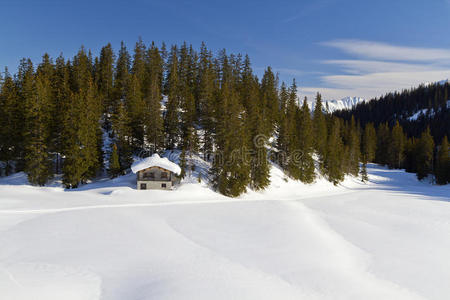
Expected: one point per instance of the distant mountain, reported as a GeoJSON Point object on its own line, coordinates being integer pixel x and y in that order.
{"type": "Point", "coordinates": [343, 104]}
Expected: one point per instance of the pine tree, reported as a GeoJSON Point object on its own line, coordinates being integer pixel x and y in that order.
{"type": "Point", "coordinates": [205, 97]}
{"type": "Point", "coordinates": [283, 130]}
{"type": "Point", "coordinates": [333, 158]}
{"type": "Point", "coordinates": [424, 158]}
{"type": "Point", "coordinates": [114, 169]}
{"type": "Point", "coordinates": [153, 121]}
{"type": "Point", "coordinates": [171, 118]}
{"type": "Point", "coordinates": [364, 175]}
{"type": "Point", "coordinates": [122, 134]}
{"type": "Point", "coordinates": [138, 106]}
{"type": "Point", "coordinates": [396, 147]}
{"type": "Point", "coordinates": [369, 142]}
{"type": "Point", "coordinates": [270, 101]}
{"type": "Point", "coordinates": [320, 131]}
{"type": "Point", "coordinates": [37, 97]}
{"type": "Point", "coordinates": [230, 171]}
{"type": "Point", "coordinates": [410, 161]}
{"type": "Point", "coordinates": [292, 145]}
{"type": "Point", "coordinates": [104, 78]}
{"type": "Point", "coordinates": [353, 149]}
{"type": "Point", "coordinates": [135, 106]}
{"type": "Point", "coordinates": [187, 100]}
{"type": "Point", "coordinates": [305, 139]}
{"type": "Point", "coordinates": [383, 141]}
{"type": "Point", "coordinates": [259, 164]}
{"type": "Point", "coordinates": [82, 132]}
{"type": "Point", "coordinates": [442, 171]}
{"type": "Point", "coordinates": [59, 110]}
{"type": "Point", "coordinates": [121, 74]}
{"type": "Point", "coordinates": [10, 123]}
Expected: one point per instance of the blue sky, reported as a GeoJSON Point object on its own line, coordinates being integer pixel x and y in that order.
{"type": "Point", "coordinates": [338, 47]}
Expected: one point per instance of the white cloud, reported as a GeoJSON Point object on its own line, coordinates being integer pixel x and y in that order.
{"type": "Point", "coordinates": [383, 51]}
{"type": "Point", "coordinates": [373, 66]}
{"type": "Point", "coordinates": [382, 68]}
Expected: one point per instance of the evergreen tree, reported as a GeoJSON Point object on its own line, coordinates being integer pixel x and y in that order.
{"type": "Point", "coordinates": [114, 165]}
{"type": "Point", "coordinates": [283, 130]}
{"type": "Point", "coordinates": [353, 148]}
{"type": "Point", "coordinates": [293, 153]}
{"type": "Point", "coordinates": [305, 139]}
{"type": "Point", "coordinates": [37, 98]}
{"type": "Point", "coordinates": [383, 141]}
{"type": "Point", "coordinates": [205, 98]}
{"type": "Point", "coordinates": [333, 159]}
{"type": "Point", "coordinates": [230, 170]}
{"type": "Point", "coordinates": [369, 142]}
{"type": "Point", "coordinates": [104, 78]}
{"type": "Point", "coordinates": [270, 108]}
{"type": "Point", "coordinates": [82, 130]}
{"type": "Point", "coordinates": [121, 74]}
{"type": "Point", "coordinates": [187, 99]}
{"type": "Point", "coordinates": [122, 134]}
{"type": "Point", "coordinates": [364, 175]}
{"type": "Point", "coordinates": [396, 147]}
{"type": "Point", "coordinates": [10, 124]}
{"type": "Point", "coordinates": [424, 158]}
{"type": "Point", "coordinates": [442, 171]}
{"type": "Point", "coordinates": [259, 164]}
{"type": "Point", "coordinates": [171, 118]}
{"type": "Point", "coordinates": [320, 131]}
{"type": "Point", "coordinates": [153, 121]}
{"type": "Point", "coordinates": [410, 161]}
{"type": "Point", "coordinates": [135, 106]}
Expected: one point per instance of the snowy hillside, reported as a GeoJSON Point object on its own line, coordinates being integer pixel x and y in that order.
{"type": "Point", "coordinates": [387, 239]}
{"type": "Point", "coordinates": [344, 103]}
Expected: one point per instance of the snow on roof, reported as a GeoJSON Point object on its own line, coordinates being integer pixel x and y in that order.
{"type": "Point", "coordinates": [156, 161]}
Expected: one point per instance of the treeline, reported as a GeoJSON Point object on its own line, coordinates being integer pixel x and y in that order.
{"type": "Point", "coordinates": [431, 99]}
{"type": "Point", "coordinates": [392, 147]}
{"type": "Point", "coordinates": [57, 118]}
{"type": "Point", "coordinates": [418, 144]}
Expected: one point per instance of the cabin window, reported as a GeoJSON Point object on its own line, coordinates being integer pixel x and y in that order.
{"type": "Point", "coordinates": [163, 185]}
{"type": "Point", "coordinates": [149, 175]}
{"type": "Point", "coordinates": [143, 186]}
{"type": "Point", "coordinates": [164, 175]}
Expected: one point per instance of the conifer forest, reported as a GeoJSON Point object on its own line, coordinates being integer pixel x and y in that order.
{"type": "Point", "coordinates": [58, 114]}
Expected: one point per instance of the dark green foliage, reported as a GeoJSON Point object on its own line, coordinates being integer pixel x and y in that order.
{"type": "Point", "coordinates": [333, 164]}
{"type": "Point", "coordinates": [114, 169]}
{"type": "Point", "coordinates": [352, 148]}
{"type": "Point", "coordinates": [153, 121]}
{"type": "Point", "coordinates": [305, 145]}
{"type": "Point", "coordinates": [54, 118]}
{"type": "Point", "coordinates": [396, 147]}
{"type": "Point", "coordinates": [364, 176]}
{"type": "Point", "coordinates": [424, 154]}
{"type": "Point", "coordinates": [270, 102]}
{"type": "Point", "coordinates": [399, 106]}
{"type": "Point", "coordinates": [36, 93]}
{"type": "Point", "coordinates": [383, 142]}
{"type": "Point", "coordinates": [171, 118]}
{"type": "Point", "coordinates": [369, 143]}
{"type": "Point", "coordinates": [230, 170]}
{"type": "Point", "coordinates": [442, 171]}
{"type": "Point", "coordinates": [252, 102]}
{"type": "Point", "coordinates": [11, 123]}
{"type": "Point", "coordinates": [320, 131]}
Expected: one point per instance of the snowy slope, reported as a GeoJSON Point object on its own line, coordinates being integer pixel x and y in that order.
{"type": "Point", "coordinates": [344, 103]}
{"type": "Point", "coordinates": [387, 239]}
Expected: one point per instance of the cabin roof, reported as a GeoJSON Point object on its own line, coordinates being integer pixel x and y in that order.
{"type": "Point", "coordinates": [155, 161]}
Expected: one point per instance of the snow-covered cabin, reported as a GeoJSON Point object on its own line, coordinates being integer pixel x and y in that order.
{"type": "Point", "coordinates": [156, 172]}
